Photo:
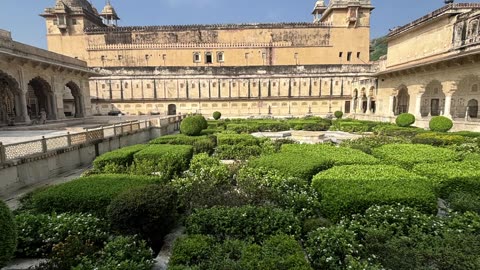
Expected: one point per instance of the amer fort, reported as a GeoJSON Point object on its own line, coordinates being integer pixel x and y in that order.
{"type": "Point", "coordinates": [282, 145]}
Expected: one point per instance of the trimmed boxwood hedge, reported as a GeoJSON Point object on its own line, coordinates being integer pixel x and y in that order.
{"type": "Point", "coordinates": [122, 157]}
{"type": "Point", "coordinates": [438, 139]}
{"type": "Point", "coordinates": [405, 120]}
{"type": "Point", "coordinates": [440, 124]}
{"type": "Point", "coordinates": [237, 139]}
{"type": "Point", "coordinates": [170, 159]}
{"type": "Point", "coordinates": [8, 234]}
{"type": "Point", "coordinates": [193, 125]}
{"type": "Point", "coordinates": [338, 155]}
{"type": "Point", "coordinates": [407, 155]}
{"type": "Point", "coordinates": [295, 164]}
{"type": "Point", "coordinates": [90, 194]}
{"type": "Point", "coordinates": [201, 144]}
{"type": "Point", "coordinates": [451, 177]}
{"type": "Point", "coordinates": [352, 189]}
{"type": "Point", "coordinates": [244, 223]}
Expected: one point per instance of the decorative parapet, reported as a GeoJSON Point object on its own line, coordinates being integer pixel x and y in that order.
{"type": "Point", "coordinates": [188, 45]}
{"type": "Point", "coordinates": [35, 148]}
{"type": "Point", "coordinates": [124, 29]}
{"type": "Point", "coordinates": [444, 10]}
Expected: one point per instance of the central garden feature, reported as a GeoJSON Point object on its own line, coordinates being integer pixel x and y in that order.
{"type": "Point", "coordinates": [398, 197]}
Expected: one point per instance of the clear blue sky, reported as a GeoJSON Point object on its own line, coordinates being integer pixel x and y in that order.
{"type": "Point", "coordinates": [21, 16]}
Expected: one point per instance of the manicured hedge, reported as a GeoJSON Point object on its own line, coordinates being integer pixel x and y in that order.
{"type": "Point", "coordinates": [350, 125]}
{"type": "Point", "coordinates": [440, 124]}
{"type": "Point", "coordinates": [203, 252]}
{"type": "Point", "coordinates": [407, 155]}
{"type": "Point", "coordinates": [451, 177]}
{"type": "Point", "coordinates": [438, 139]}
{"type": "Point", "coordinates": [295, 164]}
{"type": "Point", "coordinates": [39, 233]}
{"type": "Point", "coordinates": [85, 195]}
{"type": "Point", "coordinates": [396, 131]}
{"type": "Point", "coordinates": [405, 120]}
{"type": "Point", "coordinates": [347, 190]}
{"type": "Point", "coordinates": [237, 152]}
{"type": "Point", "coordinates": [8, 234]}
{"type": "Point", "coordinates": [122, 157]}
{"type": "Point", "coordinates": [244, 223]}
{"type": "Point", "coordinates": [170, 160]}
{"type": "Point", "coordinates": [150, 211]}
{"type": "Point", "coordinates": [201, 144]}
{"type": "Point", "coordinates": [193, 125]}
{"type": "Point", "coordinates": [217, 115]}
{"type": "Point", "coordinates": [237, 139]}
{"type": "Point", "coordinates": [338, 155]}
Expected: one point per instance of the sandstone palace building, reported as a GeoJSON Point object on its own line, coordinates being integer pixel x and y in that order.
{"type": "Point", "coordinates": [276, 69]}
{"type": "Point", "coordinates": [280, 69]}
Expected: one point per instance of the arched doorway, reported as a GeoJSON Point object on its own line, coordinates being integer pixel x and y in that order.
{"type": "Point", "coordinates": [72, 101]}
{"type": "Point", "coordinates": [466, 97]}
{"type": "Point", "coordinates": [40, 97]}
{"type": "Point", "coordinates": [10, 100]}
{"type": "Point", "coordinates": [433, 100]}
{"type": "Point", "coordinates": [402, 101]}
{"type": "Point", "coordinates": [172, 109]}
{"type": "Point", "coordinates": [473, 108]}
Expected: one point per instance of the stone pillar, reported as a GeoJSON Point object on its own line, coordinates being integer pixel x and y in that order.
{"type": "Point", "coordinates": [418, 105]}
{"type": "Point", "coordinates": [369, 105]}
{"type": "Point", "coordinates": [352, 106]}
{"type": "Point", "coordinates": [448, 106]}
{"type": "Point", "coordinates": [391, 105]}
{"type": "Point", "coordinates": [24, 117]}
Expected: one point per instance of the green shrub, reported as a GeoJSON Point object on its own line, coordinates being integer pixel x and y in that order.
{"type": "Point", "coordinates": [205, 184]}
{"type": "Point", "coordinates": [193, 125]}
{"type": "Point", "coordinates": [237, 139]}
{"type": "Point", "coordinates": [201, 118]}
{"type": "Point", "coordinates": [467, 134]}
{"type": "Point", "coordinates": [452, 177]}
{"type": "Point", "coordinates": [438, 139]}
{"type": "Point", "coordinates": [201, 144]}
{"type": "Point", "coordinates": [244, 223]}
{"type": "Point", "coordinates": [338, 114]}
{"type": "Point", "coordinates": [405, 120]}
{"type": "Point", "coordinates": [262, 186]}
{"type": "Point", "coordinates": [39, 234]}
{"type": "Point", "coordinates": [346, 190]}
{"type": "Point", "coordinates": [202, 252]}
{"type": "Point", "coordinates": [295, 164]}
{"type": "Point", "coordinates": [217, 115]}
{"type": "Point", "coordinates": [440, 124]}
{"type": "Point", "coordinates": [121, 158]}
{"type": "Point", "coordinates": [123, 253]}
{"type": "Point", "coordinates": [8, 234]}
{"type": "Point", "coordinates": [338, 155]}
{"type": "Point", "coordinates": [350, 125]}
{"type": "Point", "coordinates": [397, 237]}
{"type": "Point", "coordinates": [149, 211]}
{"type": "Point", "coordinates": [85, 195]}
{"type": "Point", "coordinates": [407, 155]}
{"type": "Point", "coordinates": [237, 152]}
{"type": "Point", "coordinates": [367, 144]}
{"type": "Point", "coordinates": [167, 160]}
{"type": "Point", "coordinates": [396, 131]}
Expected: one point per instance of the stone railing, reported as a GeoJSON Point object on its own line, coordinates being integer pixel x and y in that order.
{"type": "Point", "coordinates": [33, 148]}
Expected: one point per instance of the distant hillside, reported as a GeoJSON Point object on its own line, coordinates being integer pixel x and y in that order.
{"type": "Point", "coordinates": [379, 48]}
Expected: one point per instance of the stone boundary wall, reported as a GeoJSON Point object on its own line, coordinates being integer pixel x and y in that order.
{"type": "Point", "coordinates": [51, 157]}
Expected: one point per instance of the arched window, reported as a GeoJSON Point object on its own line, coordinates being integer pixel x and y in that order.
{"type": "Point", "coordinates": [197, 57]}
{"type": "Point", "coordinates": [472, 28]}
{"type": "Point", "coordinates": [220, 57]}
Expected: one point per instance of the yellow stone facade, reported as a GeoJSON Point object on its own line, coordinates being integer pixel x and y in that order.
{"type": "Point", "coordinates": [33, 80]}
{"type": "Point", "coordinates": [433, 68]}
{"type": "Point", "coordinates": [239, 69]}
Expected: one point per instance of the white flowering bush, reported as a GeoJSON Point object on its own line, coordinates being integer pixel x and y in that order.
{"type": "Point", "coordinates": [244, 223]}
{"type": "Point", "coordinates": [38, 234]}
{"type": "Point", "coordinates": [397, 237]}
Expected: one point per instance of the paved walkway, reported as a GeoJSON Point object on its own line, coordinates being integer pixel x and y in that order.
{"type": "Point", "coordinates": [13, 200]}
